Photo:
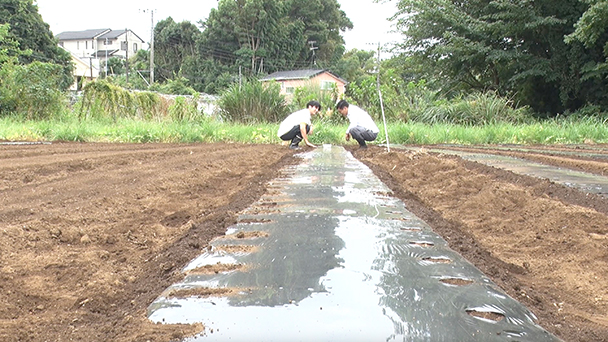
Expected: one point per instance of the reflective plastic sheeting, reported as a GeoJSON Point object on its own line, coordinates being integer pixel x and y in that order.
{"type": "Point", "coordinates": [336, 258]}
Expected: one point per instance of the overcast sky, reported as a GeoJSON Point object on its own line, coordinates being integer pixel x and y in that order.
{"type": "Point", "coordinates": [369, 19]}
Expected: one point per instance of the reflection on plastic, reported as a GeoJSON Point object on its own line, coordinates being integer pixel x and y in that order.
{"type": "Point", "coordinates": [587, 182]}
{"type": "Point", "coordinates": [345, 261]}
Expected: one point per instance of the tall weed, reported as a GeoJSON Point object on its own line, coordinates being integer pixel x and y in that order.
{"type": "Point", "coordinates": [474, 109]}
{"type": "Point", "coordinates": [252, 102]}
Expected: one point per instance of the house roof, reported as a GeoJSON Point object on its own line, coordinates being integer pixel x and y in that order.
{"type": "Point", "coordinates": [297, 75]}
{"type": "Point", "coordinates": [113, 34]}
{"type": "Point", "coordinates": [94, 34]}
{"type": "Point", "coordinates": [86, 34]}
{"type": "Point", "coordinates": [104, 53]}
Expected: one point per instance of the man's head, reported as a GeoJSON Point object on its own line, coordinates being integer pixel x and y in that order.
{"type": "Point", "coordinates": [313, 107]}
{"type": "Point", "coordinates": [342, 107]}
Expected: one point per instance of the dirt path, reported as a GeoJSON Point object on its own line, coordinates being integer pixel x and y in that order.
{"type": "Point", "coordinates": [92, 233]}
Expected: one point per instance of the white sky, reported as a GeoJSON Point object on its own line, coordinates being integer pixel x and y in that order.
{"type": "Point", "coordinates": [369, 19]}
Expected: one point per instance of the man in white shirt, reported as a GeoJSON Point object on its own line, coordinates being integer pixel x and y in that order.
{"type": "Point", "coordinates": [297, 125]}
{"type": "Point", "coordinates": [362, 127]}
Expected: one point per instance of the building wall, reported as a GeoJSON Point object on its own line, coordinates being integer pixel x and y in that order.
{"type": "Point", "coordinates": [324, 79]}
{"type": "Point", "coordinates": [84, 69]}
{"type": "Point", "coordinates": [80, 48]}
{"type": "Point", "coordinates": [134, 43]}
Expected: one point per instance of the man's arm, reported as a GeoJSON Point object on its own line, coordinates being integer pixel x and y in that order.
{"type": "Point", "coordinates": [305, 135]}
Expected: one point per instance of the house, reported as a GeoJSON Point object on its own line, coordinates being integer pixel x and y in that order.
{"type": "Point", "coordinates": [290, 80]}
{"type": "Point", "coordinates": [84, 69]}
{"type": "Point", "coordinates": [90, 47]}
{"type": "Point", "coordinates": [101, 44]}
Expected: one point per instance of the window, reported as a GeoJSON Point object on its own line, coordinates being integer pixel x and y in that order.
{"type": "Point", "coordinates": [77, 45]}
{"type": "Point", "coordinates": [289, 90]}
{"type": "Point", "coordinates": [135, 47]}
{"type": "Point", "coordinates": [86, 44]}
{"type": "Point", "coordinates": [327, 85]}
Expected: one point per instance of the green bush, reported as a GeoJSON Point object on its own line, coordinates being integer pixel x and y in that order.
{"type": "Point", "coordinates": [178, 86]}
{"type": "Point", "coordinates": [252, 102]}
{"type": "Point", "coordinates": [32, 90]}
{"type": "Point", "coordinates": [105, 100]}
{"type": "Point", "coordinates": [327, 99]}
{"type": "Point", "coordinates": [183, 109]}
{"type": "Point", "coordinates": [474, 109]}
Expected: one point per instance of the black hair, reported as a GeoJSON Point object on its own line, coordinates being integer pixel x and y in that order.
{"type": "Point", "coordinates": [341, 104]}
{"type": "Point", "coordinates": [314, 104]}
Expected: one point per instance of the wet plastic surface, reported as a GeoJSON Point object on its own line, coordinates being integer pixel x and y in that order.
{"type": "Point", "coordinates": [587, 182]}
{"type": "Point", "coordinates": [340, 259]}
{"type": "Point", "coordinates": [583, 150]}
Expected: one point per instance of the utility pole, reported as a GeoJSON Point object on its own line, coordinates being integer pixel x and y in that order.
{"type": "Point", "coordinates": [313, 48]}
{"type": "Point", "coordinates": [151, 43]}
{"type": "Point", "coordinates": [127, 53]}
{"type": "Point", "coordinates": [106, 57]}
{"type": "Point", "coordinates": [388, 146]}
{"type": "Point", "coordinates": [152, 47]}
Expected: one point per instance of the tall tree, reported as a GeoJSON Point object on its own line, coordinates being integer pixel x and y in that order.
{"type": "Point", "coordinates": [263, 36]}
{"type": "Point", "coordinates": [174, 43]}
{"type": "Point", "coordinates": [592, 31]}
{"type": "Point", "coordinates": [515, 47]}
{"type": "Point", "coordinates": [9, 48]}
{"type": "Point", "coordinates": [323, 22]}
{"type": "Point", "coordinates": [32, 33]}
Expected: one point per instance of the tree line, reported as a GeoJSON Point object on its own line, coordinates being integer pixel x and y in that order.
{"type": "Point", "coordinates": [548, 54]}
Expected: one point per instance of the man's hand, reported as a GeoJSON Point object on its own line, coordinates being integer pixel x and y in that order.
{"type": "Point", "coordinates": [347, 136]}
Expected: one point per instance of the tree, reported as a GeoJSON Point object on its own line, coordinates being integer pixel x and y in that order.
{"type": "Point", "coordinates": [174, 43]}
{"type": "Point", "coordinates": [514, 47]}
{"type": "Point", "coordinates": [262, 36]}
{"type": "Point", "coordinates": [323, 22]}
{"type": "Point", "coordinates": [242, 33]}
{"type": "Point", "coordinates": [9, 47]}
{"type": "Point", "coordinates": [355, 65]}
{"type": "Point", "coordinates": [116, 66]}
{"type": "Point", "coordinates": [592, 31]}
{"type": "Point", "coordinates": [32, 33]}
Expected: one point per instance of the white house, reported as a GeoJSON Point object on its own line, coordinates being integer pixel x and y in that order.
{"type": "Point", "coordinates": [90, 47]}
{"type": "Point", "coordinates": [84, 69]}
{"type": "Point", "coordinates": [101, 43]}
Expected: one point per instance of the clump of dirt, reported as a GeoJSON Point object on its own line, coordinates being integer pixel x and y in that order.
{"type": "Point", "coordinates": [456, 281]}
{"type": "Point", "coordinates": [254, 221]}
{"type": "Point", "coordinates": [246, 235]}
{"type": "Point", "coordinates": [235, 249]}
{"type": "Point", "coordinates": [492, 316]}
{"type": "Point", "coordinates": [203, 292]}
{"type": "Point", "coordinates": [437, 260]}
{"type": "Point", "coordinates": [216, 268]}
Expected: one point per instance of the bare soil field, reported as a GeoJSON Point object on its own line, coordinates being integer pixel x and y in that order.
{"type": "Point", "coordinates": [91, 234]}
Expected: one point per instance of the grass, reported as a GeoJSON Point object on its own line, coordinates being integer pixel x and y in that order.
{"type": "Point", "coordinates": [140, 131]}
